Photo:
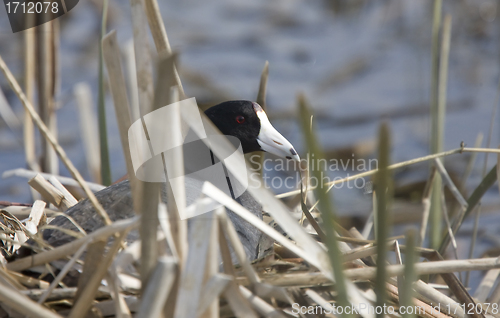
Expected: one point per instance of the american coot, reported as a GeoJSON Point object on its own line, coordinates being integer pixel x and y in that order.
{"type": "Point", "coordinates": [244, 120]}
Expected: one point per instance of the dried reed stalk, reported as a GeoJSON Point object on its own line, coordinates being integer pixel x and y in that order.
{"type": "Point", "coordinates": [131, 78]}
{"type": "Point", "coordinates": [239, 304]}
{"type": "Point", "coordinates": [438, 298]}
{"type": "Point", "coordinates": [210, 294]}
{"type": "Point", "coordinates": [427, 268]}
{"type": "Point", "coordinates": [142, 58]}
{"type": "Point", "coordinates": [211, 303]}
{"type": "Point", "coordinates": [121, 308]}
{"type": "Point", "coordinates": [36, 214]}
{"type": "Point", "coordinates": [88, 127]}
{"type": "Point", "coordinates": [486, 285]}
{"type": "Point", "coordinates": [262, 307]}
{"type": "Point", "coordinates": [438, 267]}
{"type": "Point", "coordinates": [47, 85]}
{"type": "Point", "coordinates": [192, 274]}
{"type": "Point", "coordinates": [426, 203]}
{"type": "Point", "coordinates": [111, 54]}
{"type": "Point", "coordinates": [29, 80]}
{"type": "Point", "coordinates": [156, 292]}
{"type": "Point", "coordinates": [150, 190]}
{"type": "Point", "coordinates": [67, 195]}
{"type": "Point", "coordinates": [59, 293]}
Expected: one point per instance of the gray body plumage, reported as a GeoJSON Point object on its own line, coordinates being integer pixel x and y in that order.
{"type": "Point", "coordinates": [117, 201]}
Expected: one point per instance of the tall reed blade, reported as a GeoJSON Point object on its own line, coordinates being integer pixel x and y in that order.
{"type": "Point", "coordinates": [88, 120]}
{"type": "Point", "coordinates": [437, 123]}
{"type": "Point", "coordinates": [149, 250]}
{"type": "Point", "coordinates": [111, 55]}
{"type": "Point", "coordinates": [384, 219]}
{"type": "Point", "coordinates": [406, 295]}
{"type": "Point", "coordinates": [101, 106]}
{"type": "Point", "coordinates": [328, 213]}
{"type": "Point", "coordinates": [258, 157]}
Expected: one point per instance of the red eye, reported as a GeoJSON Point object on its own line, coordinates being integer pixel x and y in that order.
{"type": "Point", "coordinates": [240, 119]}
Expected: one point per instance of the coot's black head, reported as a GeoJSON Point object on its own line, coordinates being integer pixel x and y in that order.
{"type": "Point", "coordinates": [248, 122]}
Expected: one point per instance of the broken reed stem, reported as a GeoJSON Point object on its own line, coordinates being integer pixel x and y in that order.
{"type": "Point", "coordinates": [261, 100]}
{"type": "Point", "coordinates": [51, 193]}
{"type": "Point", "coordinates": [192, 274]}
{"type": "Point", "coordinates": [394, 166]}
{"type": "Point", "coordinates": [71, 200]}
{"type": "Point", "coordinates": [47, 134]}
